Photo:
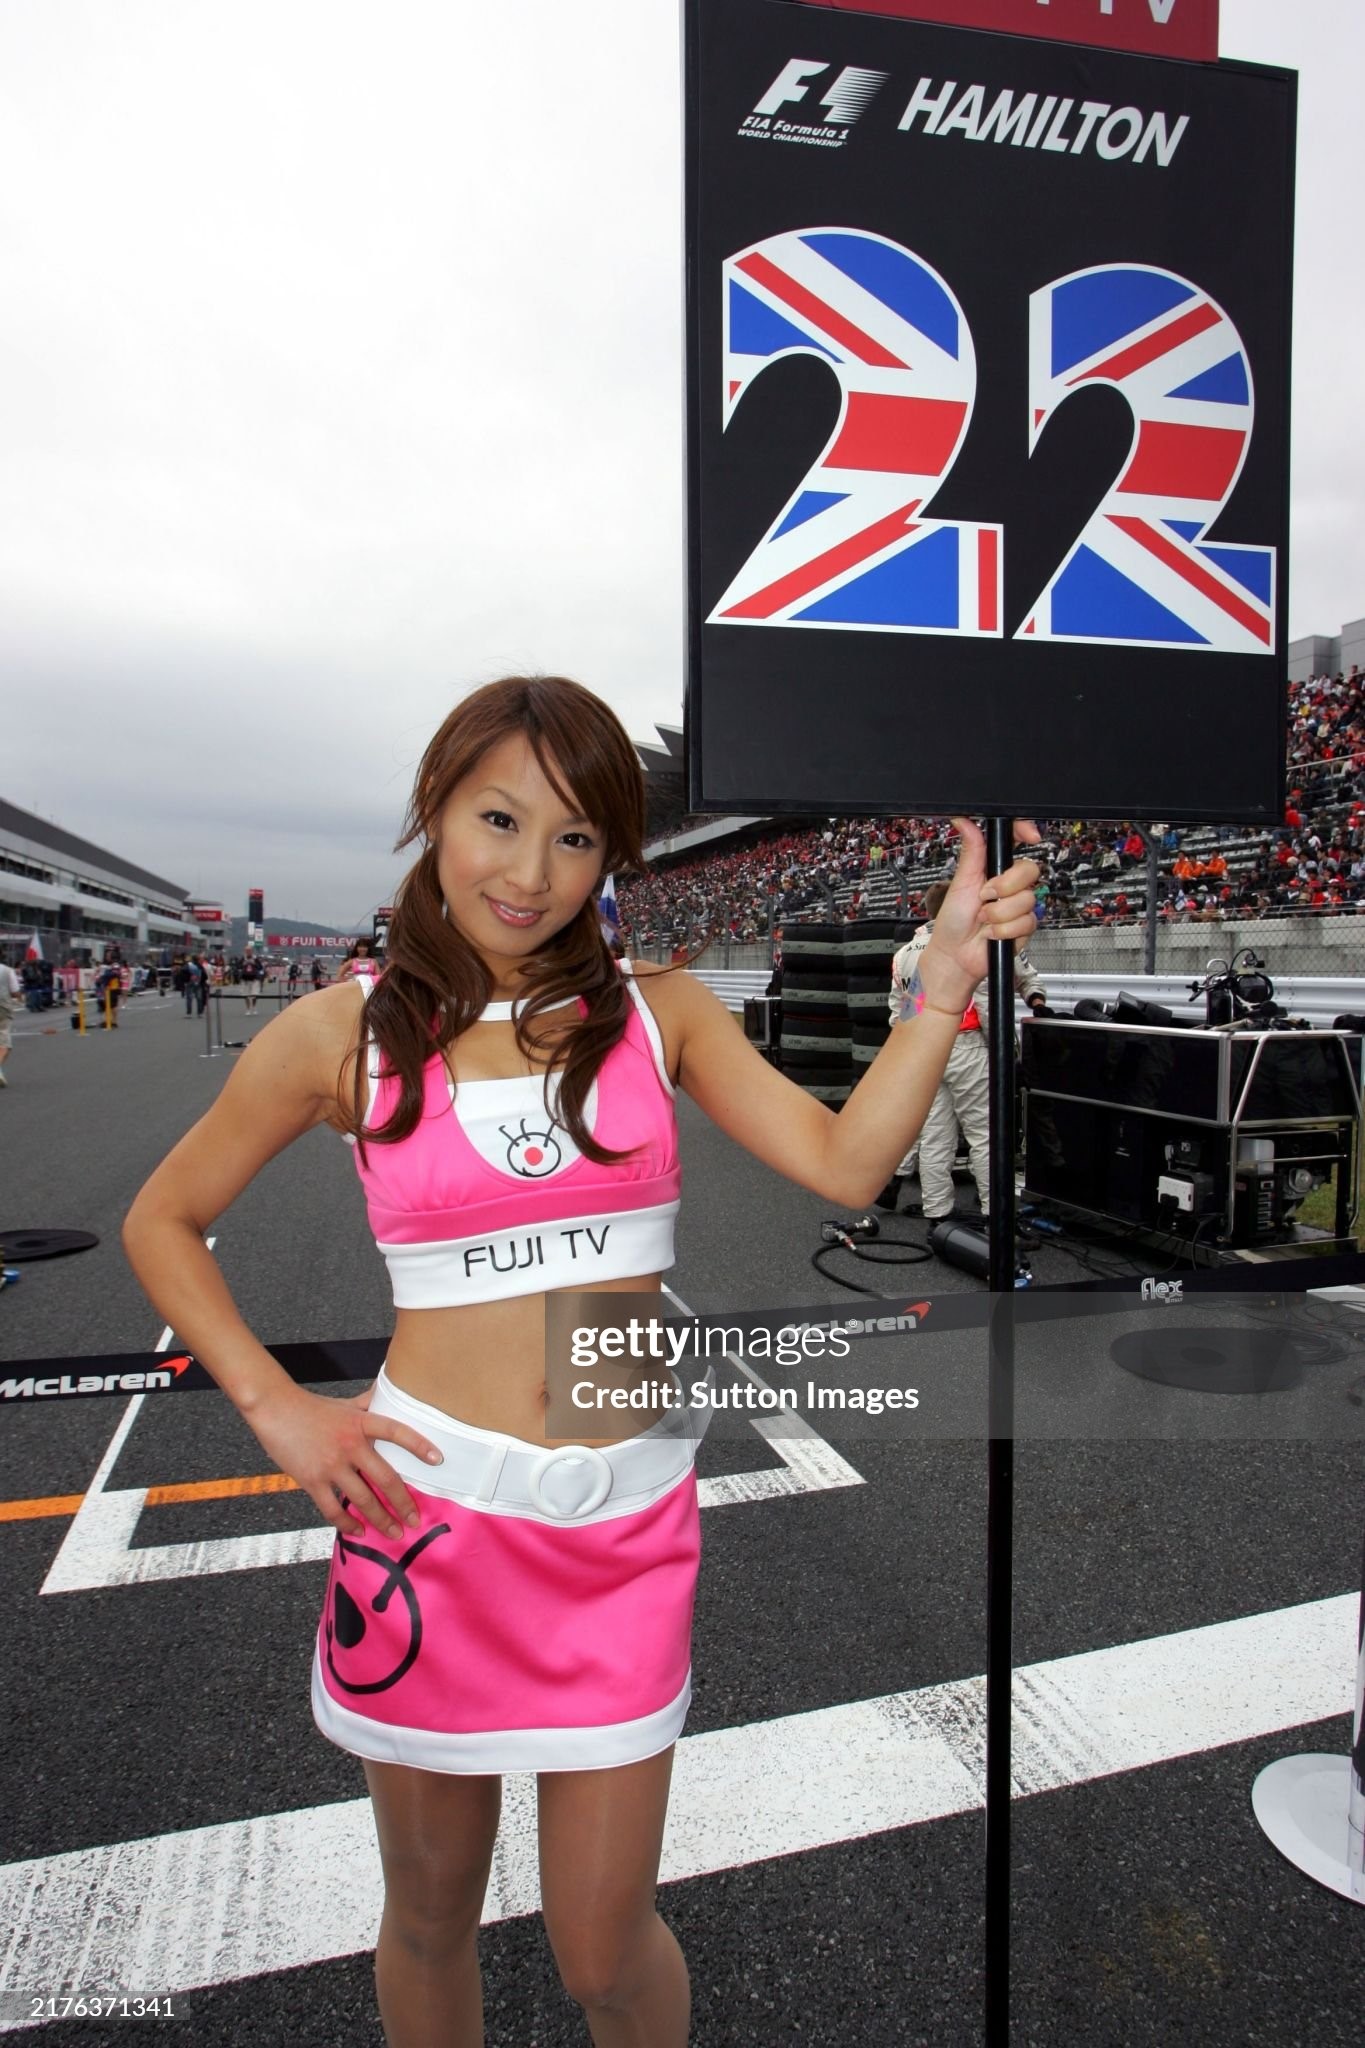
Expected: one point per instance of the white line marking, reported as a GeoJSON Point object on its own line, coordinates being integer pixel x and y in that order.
{"type": "Point", "coordinates": [115, 1445]}
{"type": "Point", "coordinates": [97, 1550]}
{"type": "Point", "coordinates": [810, 1465]}
{"type": "Point", "coordinates": [101, 1525]}
{"type": "Point", "coordinates": [215, 1904]}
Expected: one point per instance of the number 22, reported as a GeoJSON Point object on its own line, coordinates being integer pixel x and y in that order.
{"type": "Point", "coordinates": [852, 547]}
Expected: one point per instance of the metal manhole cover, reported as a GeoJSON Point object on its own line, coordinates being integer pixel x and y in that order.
{"type": "Point", "coordinates": [1213, 1361]}
{"type": "Point", "coordinates": [19, 1245]}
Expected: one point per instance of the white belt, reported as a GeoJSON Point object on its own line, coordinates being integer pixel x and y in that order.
{"type": "Point", "coordinates": [482, 1468]}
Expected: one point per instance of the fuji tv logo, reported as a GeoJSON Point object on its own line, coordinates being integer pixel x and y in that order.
{"type": "Point", "coordinates": [844, 99]}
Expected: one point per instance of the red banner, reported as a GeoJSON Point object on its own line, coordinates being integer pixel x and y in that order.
{"type": "Point", "coordinates": [1157, 28]}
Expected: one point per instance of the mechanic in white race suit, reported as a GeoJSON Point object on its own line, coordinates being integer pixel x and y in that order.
{"type": "Point", "coordinates": [963, 1096]}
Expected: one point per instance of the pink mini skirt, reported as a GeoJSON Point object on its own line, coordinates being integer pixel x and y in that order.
{"type": "Point", "coordinates": [539, 1618]}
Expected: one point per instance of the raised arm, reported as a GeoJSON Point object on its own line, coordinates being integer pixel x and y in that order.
{"type": "Point", "coordinates": [284, 1084]}
{"type": "Point", "coordinates": [847, 1155]}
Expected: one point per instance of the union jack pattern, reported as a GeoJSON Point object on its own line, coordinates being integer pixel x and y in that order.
{"type": "Point", "coordinates": [851, 547]}
{"type": "Point", "coordinates": [1141, 572]}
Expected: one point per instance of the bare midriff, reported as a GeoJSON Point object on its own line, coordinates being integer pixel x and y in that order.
{"type": "Point", "coordinates": [485, 1363]}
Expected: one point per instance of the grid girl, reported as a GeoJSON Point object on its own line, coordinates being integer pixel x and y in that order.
{"type": "Point", "coordinates": [498, 1600]}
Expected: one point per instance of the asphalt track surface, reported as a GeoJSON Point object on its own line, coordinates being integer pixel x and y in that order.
{"type": "Point", "coordinates": [1147, 1905]}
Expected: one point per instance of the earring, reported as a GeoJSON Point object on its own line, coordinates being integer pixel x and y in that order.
{"type": "Point", "coordinates": [445, 910]}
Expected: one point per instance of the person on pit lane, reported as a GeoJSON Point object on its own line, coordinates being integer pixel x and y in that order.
{"type": "Point", "coordinates": [963, 1099]}
{"type": "Point", "coordinates": [11, 987]}
{"type": "Point", "coordinates": [498, 1598]}
{"type": "Point", "coordinates": [108, 990]}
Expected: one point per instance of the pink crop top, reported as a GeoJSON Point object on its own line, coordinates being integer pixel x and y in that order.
{"type": "Point", "coordinates": [489, 1196]}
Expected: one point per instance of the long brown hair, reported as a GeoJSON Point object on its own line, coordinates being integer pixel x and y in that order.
{"type": "Point", "coordinates": [434, 983]}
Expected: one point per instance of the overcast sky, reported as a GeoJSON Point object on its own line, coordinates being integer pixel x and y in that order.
{"type": "Point", "coordinates": [326, 392]}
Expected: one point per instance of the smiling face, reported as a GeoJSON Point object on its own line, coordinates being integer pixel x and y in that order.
{"type": "Point", "coordinates": [507, 844]}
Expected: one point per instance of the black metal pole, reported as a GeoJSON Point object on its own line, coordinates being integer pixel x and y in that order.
{"type": "Point", "coordinates": [1153, 893]}
{"type": "Point", "coordinates": [1000, 1461]}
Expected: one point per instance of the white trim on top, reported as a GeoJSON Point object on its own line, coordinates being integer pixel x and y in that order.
{"type": "Point", "coordinates": [611, 1244]}
{"type": "Point", "coordinates": [652, 1032]}
{"type": "Point", "coordinates": [372, 1051]}
{"type": "Point", "coordinates": [494, 1012]}
{"type": "Point", "coordinates": [514, 1006]}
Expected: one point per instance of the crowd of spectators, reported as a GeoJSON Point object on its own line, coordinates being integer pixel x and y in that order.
{"type": "Point", "coordinates": [1314, 862]}
{"type": "Point", "coordinates": [795, 874]}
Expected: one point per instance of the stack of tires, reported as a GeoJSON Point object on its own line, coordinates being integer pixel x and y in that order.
{"type": "Point", "coordinates": [870, 945]}
{"type": "Point", "coordinates": [817, 1048]}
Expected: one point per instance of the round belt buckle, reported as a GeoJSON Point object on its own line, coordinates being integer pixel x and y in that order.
{"type": "Point", "coordinates": [571, 1454]}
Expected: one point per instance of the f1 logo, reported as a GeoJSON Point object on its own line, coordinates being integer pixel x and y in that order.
{"type": "Point", "coordinates": [844, 101]}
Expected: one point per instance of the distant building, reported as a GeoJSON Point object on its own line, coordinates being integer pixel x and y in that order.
{"type": "Point", "coordinates": [665, 782]}
{"type": "Point", "coordinates": [1319, 655]}
{"type": "Point", "coordinates": [80, 898]}
{"type": "Point", "coordinates": [673, 833]}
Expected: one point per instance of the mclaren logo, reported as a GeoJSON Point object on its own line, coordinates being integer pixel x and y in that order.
{"type": "Point", "coordinates": [827, 116]}
{"type": "Point", "coordinates": [35, 1387]}
{"type": "Point", "coordinates": [907, 1318]}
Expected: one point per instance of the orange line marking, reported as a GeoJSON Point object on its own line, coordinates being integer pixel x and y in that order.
{"type": "Point", "coordinates": [157, 1496]}
{"type": "Point", "coordinates": [28, 1510]}
{"type": "Point", "coordinates": [220, 1489]}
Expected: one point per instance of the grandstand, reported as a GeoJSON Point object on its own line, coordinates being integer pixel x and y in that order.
{"type": "Point", "coordinates": [738, 880]}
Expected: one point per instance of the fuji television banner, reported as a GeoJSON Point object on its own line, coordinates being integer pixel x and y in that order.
{"type": "Point", "coordinates": [988, 411]}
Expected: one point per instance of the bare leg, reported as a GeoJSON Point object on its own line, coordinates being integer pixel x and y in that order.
{"type": "Point", "coordinates": [436, 1833]}
{"type": "Point", "coordinates": [600, 1837]}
